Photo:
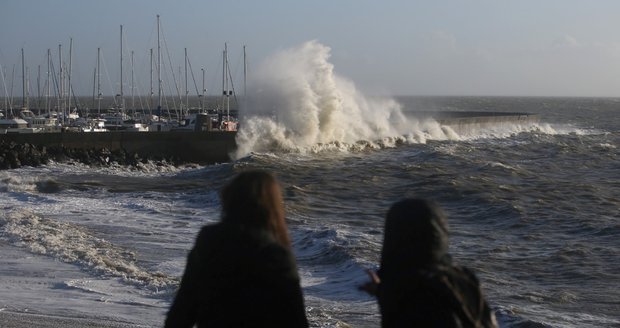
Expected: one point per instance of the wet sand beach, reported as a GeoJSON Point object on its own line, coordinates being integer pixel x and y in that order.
{"type": "Point", "coordinates": [27, 320]}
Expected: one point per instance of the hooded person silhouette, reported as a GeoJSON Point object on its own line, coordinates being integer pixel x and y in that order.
{"type": "Point", "coordinates": [417, 284]}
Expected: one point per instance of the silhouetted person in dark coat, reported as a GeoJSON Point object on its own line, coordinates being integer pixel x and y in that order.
{"type": "Point", "coordinates": [417, 285]}
{"type": "Point", "coordinates": [241, 271]}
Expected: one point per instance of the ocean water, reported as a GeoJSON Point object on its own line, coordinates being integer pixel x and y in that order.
{"type": "Point", "coordinates": [533, 210]}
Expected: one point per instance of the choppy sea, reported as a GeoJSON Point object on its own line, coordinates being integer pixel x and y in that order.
{"type": "Point", "coordinates": [534, 210]}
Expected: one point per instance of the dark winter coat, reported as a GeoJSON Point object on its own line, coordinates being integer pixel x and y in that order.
{"type": "Point", "coordinates": [419, 286]}
{"type": "Point", "coordinates": [443, 296]}
{"type": "Point", "coordinates": [238, 277]}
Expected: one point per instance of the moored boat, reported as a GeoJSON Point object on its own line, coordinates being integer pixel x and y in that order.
{"type": "Point", "coordinates": [14, 125]}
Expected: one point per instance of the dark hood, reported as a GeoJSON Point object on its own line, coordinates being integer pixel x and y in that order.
{"type": "Point", "coordinates": [416, 237]}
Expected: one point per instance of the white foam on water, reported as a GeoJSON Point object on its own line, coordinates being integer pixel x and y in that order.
{"type": "Point", "coordinates": [564, 129]}
{"type": "Point", "coordinates": [10, 182]}
{"type": "Point", "coordinates": [75, 244]}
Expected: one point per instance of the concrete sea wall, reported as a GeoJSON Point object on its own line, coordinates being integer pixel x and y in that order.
{"type": "Point", "coordinates": [462, 122]}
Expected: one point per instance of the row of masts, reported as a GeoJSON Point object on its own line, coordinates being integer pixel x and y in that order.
{"type": "Point", "coordinates": [62, 82]}
{"type": "Point", "coordinates": [63, 86]}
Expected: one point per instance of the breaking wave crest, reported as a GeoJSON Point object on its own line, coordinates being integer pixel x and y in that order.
{"type": "Point", "coordinates": [300, 104]}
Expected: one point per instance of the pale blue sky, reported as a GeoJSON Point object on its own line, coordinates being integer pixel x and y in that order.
{"type": "Point", "coordinates": [397, 47]}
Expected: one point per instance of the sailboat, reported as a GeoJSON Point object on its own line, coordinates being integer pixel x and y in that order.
{"type": "Point", "coordinates": [33, 123]}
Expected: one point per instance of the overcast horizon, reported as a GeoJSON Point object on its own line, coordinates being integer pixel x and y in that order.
{"type": "Point", "coordinates": [451, 48]}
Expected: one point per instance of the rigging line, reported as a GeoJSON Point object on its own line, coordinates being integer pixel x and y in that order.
{"type": "Point", "coordinates": [40, 95]}
{"type": "Point", "coordinates": [107, 74]}
{"type": "Point", "coordinates": [55, 79]}
{"type": "Point", "coordinates": [232, 84]}
{"type": "Point", "coordinates": [77, 103]}
{"type": "Point", "coordinates": [11, 93]}
{"type": "Point", "coordinates": [239, 63]}
{"type": "Point", "coordinates": [94, 103]}
{"type": "Point", "coordinates": [136, 88]}
{"type": "Point", "coordinates": [173, 98]}
{"type": "Point", "coordinates": [71, 92]}
{"type": "Point", "coordinates": [6, 91]}
{"type": "Point", "coordinates": [139, 71]}
{"type": "Point", "coordinates": [144, 65]}
{"type": "Point", "coordinates": [176, 84]}
{"type": "Point", "coordinates": [76, 75]}
{"type": "Point", "coordinates": [11, 100]}
{"type": "Point", "coordinates": [170, 97]}
{"type": "Point", "coordinates": [10, 96]}
{"type": "Point", "coordinates": [2, 56]}
{"type": "Point", "coordinates": [166, 103]}
{"type": "Point", "coordinates": [127, 50]}
{"type": "Point", "coordinates": [141, 104]}
{"type": "Point", "coordinates": [193, 78]}
{"type": "Point", "coordinates": [39, 98]}
{"type": "Point", "coordinates": [95, 83]}
{"type": "Point", "coordinates": [6, 99]}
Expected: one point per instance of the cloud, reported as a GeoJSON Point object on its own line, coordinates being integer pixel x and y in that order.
{"type": "Point", "coordinates": [443, 39]}
{"type": "Point", "coordinates": [567, 41]}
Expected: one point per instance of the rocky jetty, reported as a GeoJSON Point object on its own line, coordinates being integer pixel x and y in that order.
{"type": "Point", "coordinates": [14, 155]}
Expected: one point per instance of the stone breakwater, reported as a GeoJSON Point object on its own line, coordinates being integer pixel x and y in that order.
{"type": "Point", "coordinates": [124, 148]}
{"type": "Point", "coordinates": [14, 155]}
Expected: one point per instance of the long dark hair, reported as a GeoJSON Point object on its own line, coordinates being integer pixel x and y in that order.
{"type": "Point", "coordinates": [254, 199]}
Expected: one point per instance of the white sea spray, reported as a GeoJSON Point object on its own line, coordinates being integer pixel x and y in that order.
{"type": "Point", "coordinates": [300, 104]}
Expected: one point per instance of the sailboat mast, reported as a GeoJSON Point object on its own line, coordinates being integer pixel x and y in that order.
{"type": "Point", "coordinates": [61, 91]}
{"type": "Point", "coordinates": [202, 101]}
{"type": "Point", "coordinates": [39, 88]}
{"type": "Point", "coordinates": [151, 81]}
{"type": "Point", "coordinates": [228, 92]}
{"type": "Point", "coordinates": [94, 86]}
{"type": "Point", "coordinates": [69, 76]}
{"type": "Point", "coordinates": [158, 70]}
{"type": "Point", "coordinates": [133, 107]}
{"type": "Point", "coordinates": [24, 87]}
{"type": "Point", "coordinates": [98, 83]}
{"type": "Point", "coordinates": [186, 87]}
{"type": "Point", "coordinates": [224, 92]}
{"type": "Point", "coordinates": [121, 93]}
{"type": "Point", "coordinates": [49, 82]}
{"type": "Point", "coordinates": [6, 98]}
{"type": "Point", "coordinates": [245, 73]}
{"type": "Point", "coordinates": [11, 90]}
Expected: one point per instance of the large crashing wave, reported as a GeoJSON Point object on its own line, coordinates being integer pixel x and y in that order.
{"type": "Point", "coordinates": [298, 102]}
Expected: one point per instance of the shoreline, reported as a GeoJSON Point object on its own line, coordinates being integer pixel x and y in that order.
{"type": "Point", "coordinates": [35, 293]}
{"type": "Point", "coordinates": [28, 320]}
